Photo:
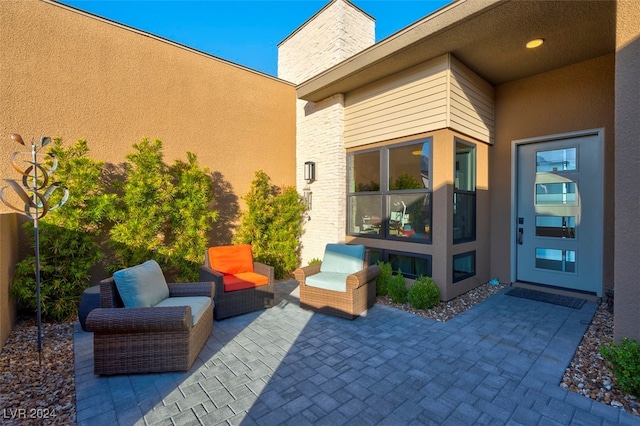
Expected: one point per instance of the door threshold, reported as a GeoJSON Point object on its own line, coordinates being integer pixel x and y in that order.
{"type": "Point", "coordinates": [591, 297]}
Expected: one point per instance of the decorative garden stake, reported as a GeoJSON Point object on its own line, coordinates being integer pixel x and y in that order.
{"type": "Point", "coordinates": [36, 202]}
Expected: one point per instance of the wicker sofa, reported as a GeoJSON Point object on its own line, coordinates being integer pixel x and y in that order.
{"type": "Point", "coordinates": [242, 285]}
{"type": "Point", "coordinates": [343, 284]}
{"type": "Point", "coordinates": [153, 339]}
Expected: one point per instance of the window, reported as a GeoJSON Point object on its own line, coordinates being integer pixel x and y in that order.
{"type": "Point", "coordinates": [389, 192]}
{"type": "Point", "coordinates": [464, 193]}
{"type": "Point", "coordinates": [411, 265]}
{"type": "Point", "coordinates": [375, 256]}
{"type": "Point", "coordinates": [464, 266]}
{"type": "Point", "coordinates": [364, 185]}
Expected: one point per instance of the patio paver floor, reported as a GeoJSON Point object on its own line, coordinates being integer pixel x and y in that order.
{"type": "Point", "coordinates": [500, 362]}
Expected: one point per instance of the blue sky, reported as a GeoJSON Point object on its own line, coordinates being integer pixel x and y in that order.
{"type": "Point", "coordinates": [243, 31]}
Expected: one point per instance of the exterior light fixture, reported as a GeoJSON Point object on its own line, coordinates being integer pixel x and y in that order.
{"type": "Point", "coordinates": [309, 171]}
{"type": "Point", "coordinates": [307, 194]}
{"type": "Point", "coordinates": [536, 42]}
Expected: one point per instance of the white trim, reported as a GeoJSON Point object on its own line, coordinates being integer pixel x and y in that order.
{"type": "Point", "coordinates": [514, 180]}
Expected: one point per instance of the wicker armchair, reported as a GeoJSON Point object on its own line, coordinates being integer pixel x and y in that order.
{"type": "Point", "coordinates": [343, 284]}
{"type": "Point", "coordinates": [147, 339]}
{"type": "Point", "coordinates": [242, 285]}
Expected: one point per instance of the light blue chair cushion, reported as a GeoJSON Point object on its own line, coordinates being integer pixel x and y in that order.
{"type": "Point", "coordinates": [199, 305]}
{"type": "Point", "coordinates": [343, 258]}
{"type": "Point", "coordinates": [142, 285]}
{"type": "Point", "coordinates": [336, 281]}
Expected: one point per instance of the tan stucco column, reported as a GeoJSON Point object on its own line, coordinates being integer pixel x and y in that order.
{"type": "Point", "coordinates": [627, 159]}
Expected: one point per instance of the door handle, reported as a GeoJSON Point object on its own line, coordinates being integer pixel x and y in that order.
{"type": "Point", "coordinates": [520, 232]}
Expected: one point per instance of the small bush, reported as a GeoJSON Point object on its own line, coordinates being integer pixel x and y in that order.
{"type": "Point", "coordinates": [424, 293]}
{"type": "Point", "coordinates": [314, 261]}
{"type": "Point", "coordinates": [625, 363]}
{"type": "Point", "coordinates": [69, 246]}
{"type": "Point", "coordinates": [272, 224]}
{"type": "Point", "coordinates": [163, 213]}
{"type": "Point", "coordinates": [398, 289]}
{"type": "Point", "coordinates": [383, 280]}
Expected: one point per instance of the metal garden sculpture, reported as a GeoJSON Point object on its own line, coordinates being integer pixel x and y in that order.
{"type": "Point", "coordinates": [35, 192]}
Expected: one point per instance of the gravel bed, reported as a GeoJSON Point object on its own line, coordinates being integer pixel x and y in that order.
{"type": "Point", "coordinates": [31, 393]}
{"type": "Point", "coordinates": [34, 394]}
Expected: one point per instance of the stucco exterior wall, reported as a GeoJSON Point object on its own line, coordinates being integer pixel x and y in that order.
{"type": "Point", "coordinates": [627, 159]}
{"type": "Point", "coordinates": [576, 97]}
{"type": "Point", "coordinates": [69, 74]}
{"type": "Point", "coordinates": [335, 33]}
{"type": "Point", "coordinates": [8, 258]}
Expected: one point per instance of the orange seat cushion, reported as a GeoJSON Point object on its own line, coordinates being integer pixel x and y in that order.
{"type": "Point", "coordinates": [231, 259]}
{"type": "Point", "coordinates": [243, 281]}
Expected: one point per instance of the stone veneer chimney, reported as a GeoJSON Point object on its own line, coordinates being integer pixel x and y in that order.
{"type": "Point", "coordinates": [335, 33]}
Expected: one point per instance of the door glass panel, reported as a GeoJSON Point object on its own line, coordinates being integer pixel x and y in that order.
{"type": "Point", "coordinates": [556, 193]}
{"type": "Point", "coordinates": [556, 226]}
{"type": "Point", "coordinates": [557, 160]}
{"type": "Point", "coordinates": [556, 260]}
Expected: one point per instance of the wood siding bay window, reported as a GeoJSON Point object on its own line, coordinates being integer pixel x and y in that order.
{"type": "Point", "coordinates": [389, 192]}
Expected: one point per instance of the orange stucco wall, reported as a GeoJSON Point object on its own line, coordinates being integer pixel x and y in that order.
{"type": "Point", "coordinates": [576, 97]}
{"type": "Point", "coordinates": [68, 74]}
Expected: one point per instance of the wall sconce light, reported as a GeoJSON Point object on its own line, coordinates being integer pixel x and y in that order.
{"type": "Point", "coordinates": [309, 171]}
{"type": "Point", "coordinates": [307, 195]}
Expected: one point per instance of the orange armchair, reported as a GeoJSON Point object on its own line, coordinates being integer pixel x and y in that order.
{"type": "Point", "coordinates": [242, 285]}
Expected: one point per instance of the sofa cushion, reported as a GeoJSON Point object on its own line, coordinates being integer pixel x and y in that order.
{"type": "Point", "coordinates": [336, 281]}
{"type": "Point", "coordinates": [343, 258]}
{"type": "Point", "coordinates": [142, 285]}
{"type": "Point", "coordinates": [199, 305]}
{"type": "Point", "coordinates": [243, 281]}
{"type": "Point", "coordinates": [231, 259]}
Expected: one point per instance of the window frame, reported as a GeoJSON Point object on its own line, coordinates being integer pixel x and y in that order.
{"type": "Point", "coordinates": [465, 192]}
{"type": "Point", "coordinates": [385, 193]}
{"type": "Point", "coordinates": [454, 278]}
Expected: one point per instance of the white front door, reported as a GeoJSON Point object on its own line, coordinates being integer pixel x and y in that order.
{"type": "Point", "coordinates": [559, 217]}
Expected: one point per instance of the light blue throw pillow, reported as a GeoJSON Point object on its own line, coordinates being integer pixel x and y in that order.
{"type": "Point", "coordinates": [142, 285]}
{"type": "Point", "coordinates": [343, 258]}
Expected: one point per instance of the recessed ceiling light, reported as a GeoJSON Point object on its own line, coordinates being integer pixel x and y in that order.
{"type": "Point", "coordinates": [536, 42]}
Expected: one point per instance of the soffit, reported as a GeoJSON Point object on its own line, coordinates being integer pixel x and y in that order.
{"type": "Point", "coordinates": [486, 35]}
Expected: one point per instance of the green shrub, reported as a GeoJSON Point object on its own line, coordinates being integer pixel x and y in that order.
{"type": "Point", "coordinates": [140, 216]}
{"type": "Point", "coordinates": [384, 279]}
{"type": "Point", "coordinates": [625, 363]}
{"type": "Point", "coordinates": [190, 218]}
{"type": "Point", "coordinates": [272, 224]}
{"type": "Point", "coordinates": [314, 261]}
{"type": "Point", "coordinates": [69, 235]}
{"type": "Point", "coordinates": [424, 293]}
{"type": "Point", "coordinates": [164, 213]}
{"type": "Point", "coordinates": [398, 289]}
